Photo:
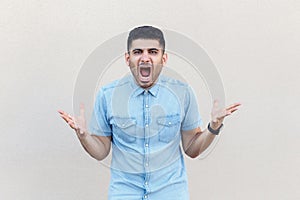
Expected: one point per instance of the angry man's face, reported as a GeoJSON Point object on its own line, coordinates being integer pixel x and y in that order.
{"type": "Point", "coordinates": [145, 59]}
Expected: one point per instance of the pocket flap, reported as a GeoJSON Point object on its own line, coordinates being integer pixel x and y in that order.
{"type": "Point", "coordinates": [169, 120]}
{"type": "Point", "coordinates": [124, 122]}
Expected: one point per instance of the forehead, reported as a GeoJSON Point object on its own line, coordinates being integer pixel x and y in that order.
{"type": "Point", "coordinates": [145, 44]}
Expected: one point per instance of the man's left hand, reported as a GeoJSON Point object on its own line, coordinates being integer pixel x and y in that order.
{"type": "Point", "coordinates": [218, 115]}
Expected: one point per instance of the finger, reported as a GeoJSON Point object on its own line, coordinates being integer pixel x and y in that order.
{"type": "Point", "coordinates": [64, 113]}
{"type": "Point", "coordinates": [82, 112]}
{"type": "Point", "coordinates": [64, 118]}
{"type": "Point", "coordinates": [233, 106]}
{"type": "Point", "coordinates": [233, 110]}
{"type": "Point", "coordinates": [80, 125]}
{"type": "Point", "coordinates": [75, 121]}
{"type": "Point", "coordinates": [72, 125]}
{"type": "Point", "coordinates": [229, 112]}
{"type": "Point", "coordinates": [69, 119]}
{"type": "Point", "coordinates": [216, 103]}
{"type": "Point", "coordinates": [60, 111]}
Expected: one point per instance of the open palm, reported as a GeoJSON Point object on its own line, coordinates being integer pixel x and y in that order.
{"type": "Point", "coordinates": [218, 114]}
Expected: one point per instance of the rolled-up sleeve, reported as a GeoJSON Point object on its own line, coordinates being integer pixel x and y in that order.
{"type": "Point", "coordinates": [99, 124]}
{"type": "Point", "coordinates": [192, 118]}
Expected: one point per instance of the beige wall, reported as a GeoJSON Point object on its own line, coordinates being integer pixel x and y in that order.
{"type": "Point", "coordinates": [254, 44]}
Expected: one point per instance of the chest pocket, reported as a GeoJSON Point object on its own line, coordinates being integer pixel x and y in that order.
{"type": "Point", "coordinates": [169, 126]}
{"type": "Point", "coordinates": [124, 128]}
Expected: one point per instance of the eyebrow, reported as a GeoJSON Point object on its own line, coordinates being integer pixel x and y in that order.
{"type": "Point", "coordinates": [150, 49]}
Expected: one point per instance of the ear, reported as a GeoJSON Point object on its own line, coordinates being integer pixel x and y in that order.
{"type": "Point", "coordinates": [127, 57]}
{"type": "Point", "coordinates": [164, 58]}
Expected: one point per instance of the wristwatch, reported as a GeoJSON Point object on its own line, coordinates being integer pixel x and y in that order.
{"type": "Point", "coordinates": [213, 131]}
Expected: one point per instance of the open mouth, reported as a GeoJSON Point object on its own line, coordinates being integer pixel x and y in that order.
{"type": "Point", "coordinates": [145, 73]}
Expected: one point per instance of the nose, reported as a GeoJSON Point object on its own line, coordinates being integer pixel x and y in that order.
{"type": "Point", "coordinates": [145, 57]}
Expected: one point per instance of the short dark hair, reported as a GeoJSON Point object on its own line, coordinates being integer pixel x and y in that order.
{"type": "Point", "coordinates": [146, 32]}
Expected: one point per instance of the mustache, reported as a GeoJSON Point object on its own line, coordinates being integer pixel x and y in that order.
{"type": "Point", "coordinates": [145, 65]}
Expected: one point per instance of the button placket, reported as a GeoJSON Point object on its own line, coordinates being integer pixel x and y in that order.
{"type": "Point", "coordinates": [146, 130]}
{"type": "Point", "coordinates": [146, 109]}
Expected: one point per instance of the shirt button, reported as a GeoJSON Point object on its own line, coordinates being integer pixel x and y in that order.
{"type": "Point", "coordinates": [145, 196]}
{"type": "Point", "coordinates": [146, 105]}
{"type": "Point", "coordinates": [146, 183]}
{"type": "Point", "coordinates": [147, 164]}
{"type": "Point", "coordinates": [170, 123]}
{"type": "Point", "coordinates": [147, 125]}
{"type": "Point", "coordinates": [146, 144]}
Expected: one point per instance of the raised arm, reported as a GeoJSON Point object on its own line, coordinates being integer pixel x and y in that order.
{"type": "Point", "coordinates": [97, 146]}
{"type": "Point", "coordinates": [196, 141]}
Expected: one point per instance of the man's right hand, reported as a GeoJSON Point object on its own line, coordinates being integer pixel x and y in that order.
{"type": "Point", "coordinates": [76, 123]}
{"type": "Point", "coordinates": [97, 146]}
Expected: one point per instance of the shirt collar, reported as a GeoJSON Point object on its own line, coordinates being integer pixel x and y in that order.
{"type": "Point", "coordinates": [137, 90]}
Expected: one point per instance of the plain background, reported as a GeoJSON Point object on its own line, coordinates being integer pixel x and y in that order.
{"type": "Point", "coordinates": [255, 45]}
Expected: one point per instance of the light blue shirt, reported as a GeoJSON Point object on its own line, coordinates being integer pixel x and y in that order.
{"type": "Point", "coordinates": [147, 161]}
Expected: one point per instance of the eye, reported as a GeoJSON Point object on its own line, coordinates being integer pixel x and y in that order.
{"type": "Point", "coordinates": [137, 52]}
{"type": "Point", "coordinates": [153, 52]}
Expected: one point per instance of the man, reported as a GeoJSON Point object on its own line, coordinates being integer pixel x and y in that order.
{"type": "Point", "coordinates": [144, 118]}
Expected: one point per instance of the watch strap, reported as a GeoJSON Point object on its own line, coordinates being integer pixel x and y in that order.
{"type": "Point", "coordinates": [214, 131]}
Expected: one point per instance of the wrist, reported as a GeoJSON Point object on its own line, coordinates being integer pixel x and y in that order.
{"type": "Point", "coordinates": [81, 135]}
{"type": "Point", "coordinates": [215, 124]}
{"type": "Point", "coordinates": [214, 130]}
